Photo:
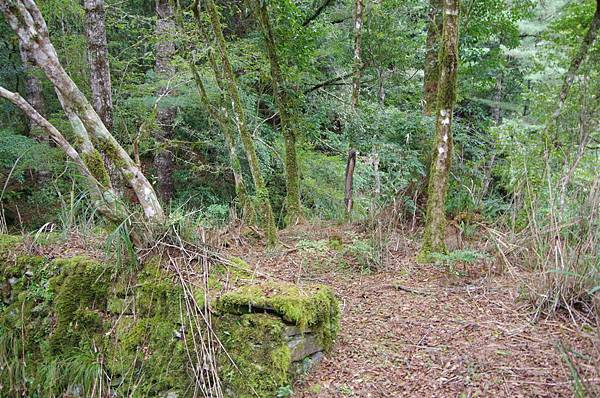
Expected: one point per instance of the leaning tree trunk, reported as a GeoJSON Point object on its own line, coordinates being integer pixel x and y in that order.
{"type": "Point", "coordinates": [219, 112]}
{"type": "Point", "coordinates": [33, 90]}
{"type": "Point", "coordinates": [284, 106]}
{"type": "Point", "coordinates": [165, 115]}
{"type": "Point", "coordinates": [356, 76]}
{"type": "Point", "coordinates": [26, 20]}
{"type": "Point", "coordinates": [431, 69]}
{"type": "Point", "coordinates": [221, 117]}
{"type": "Point", "coordinates": [101, 195]}
{"type": "Point", "coordinates": [435, 220]}
{"type": "Point", "coordinates": [264, 204]}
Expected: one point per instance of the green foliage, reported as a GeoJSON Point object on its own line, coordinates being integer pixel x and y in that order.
{"type": "Point", "coordinates": [458, 257]}
{"type": "Point", "coordinates": [284, 392]}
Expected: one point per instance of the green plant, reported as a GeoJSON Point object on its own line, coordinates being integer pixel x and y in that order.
{"type": "Point", "coordinates": [364, 253]}
{"type": "Point", "coordinates": [458, 257]}
{"type": "Point", "coordinates": [284, 392]}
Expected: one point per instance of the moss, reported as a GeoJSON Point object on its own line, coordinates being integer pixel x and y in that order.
{"type": "Point", "coordinates": [111, 151]}
{"type": "Point", "coordinates": [8, 242]}
{"type": "Point", "coordinates": [252, 332]}
{"type": "Point", "coordinates": [94, 162]}
{"type": "Point", "coordinates": [262, 357]}
{"type": "Point", "coordinates": [147, 358]}
{"type": "Point", "coordinates": [146, 355]}
{"type": "Point", "coordinates": [81, 290]}
{"type": "Point", "coordinates": [156, 292]}
{"type": "Point", "coordinates": [312, 307]}
{"type": "Point", "coordinates": [236, 271]}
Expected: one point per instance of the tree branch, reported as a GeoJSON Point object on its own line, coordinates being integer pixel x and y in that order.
{"type": "Point", "coordinates": [317, 12]}
{"type": "Point", "coordinates": [327, 82]}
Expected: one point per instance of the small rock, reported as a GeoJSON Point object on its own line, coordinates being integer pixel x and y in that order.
{"type": "Point", "coordinates": [303, 346]}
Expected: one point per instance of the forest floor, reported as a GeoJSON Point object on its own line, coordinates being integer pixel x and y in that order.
{"type": "Point", "coordinates": [409, 330]}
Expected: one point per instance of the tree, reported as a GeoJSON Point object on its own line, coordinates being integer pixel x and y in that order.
{"type": "Point", "coordinates": [239, 120]}
{"type": "Point", "coordinates": [33, 87]}
{"type": "Point", "coordinates": [285, 108]}
{"type": "Point", "coordinates": [95, 34]}
{"type": "Point", "coordinates": [165, 115]}
{"type": "Point", "coordinates": [25, 19]}
{"type": "Point", "coordinates": [435, 219]}
{"type": "Point", "coordinates": [356, 75]}
{"type": "Point", "coordinates": [431, 69]}
{"type": "Point", "coordinates": [218, 112]}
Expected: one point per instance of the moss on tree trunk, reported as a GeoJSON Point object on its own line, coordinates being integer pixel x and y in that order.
{"type": "Point", "coordinates": [435, 220]}
{"type": "Point", "coordinates": [264, 208]}
{"type": "Point", "coordinates": [434, 31]}
{"type": "Point", "coordinates": [284, 106]}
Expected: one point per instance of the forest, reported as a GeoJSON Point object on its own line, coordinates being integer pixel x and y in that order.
{"type": "Point", "coordinates": [299, 198]}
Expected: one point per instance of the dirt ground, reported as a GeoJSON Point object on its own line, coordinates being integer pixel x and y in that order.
{"type": "Point", "coordinates": [421, 331]}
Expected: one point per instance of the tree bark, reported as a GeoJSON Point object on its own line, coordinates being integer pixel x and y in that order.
{"type": "Point", "coordinates": [431, 70]}
{"type": "Point", "coordinates": [284, 106]}
{"type": "Point", "coordinates": [100, 82]}
{"type": "Point", "coordinates": [435, 220]}
{"type": "Point", "coordinates": [33, 89]}
{"type": "Point", "coordinates": [165, 115]}
{"type": "Point", "coordinates": [95, 34]}
{"type": "Point", "coordinates": [357, 64]}
{"type": "Point", "coordinates": [349, 176]}
{"type": "Point", "coordinates": [26, 20]}
{"type": "Point", "coordinates": [496, 110]}
{"type": "Point", "coordinates": [239, 120]}
{"type": "Point", "coordinates": [356, 76]}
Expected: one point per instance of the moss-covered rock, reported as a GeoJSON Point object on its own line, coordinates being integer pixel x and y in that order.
{"type": "Point", "coordinates": [261, 357]}
{"type": "Point", "coordinates": [265, 328]}
{"type": "Point", "coordinates": [312, 306]}
{"type": "Point", "coordinates": [80, 301]}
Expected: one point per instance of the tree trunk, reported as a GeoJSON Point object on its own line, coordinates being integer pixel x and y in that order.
{"type": "Point", "coordinates": [359, 6]}
{"type": "Point", "coordinates": [497, 118]}
{"type": "Point", "coordinates": [431, 70]}
{"type": "Point", "coordinates": [221, 117]}
{"type": "Point", "coordinates": [356, 76]}
{"type": "Point", "coordinates": [165, 115]}
{"type": "Point", "coordinates": [95, 34]}
{"type": "Point", "coordinates": [435, 220]}
{"type": "Point", "coordinates": [349, 176]}
{"type": "Point", "coordinates": [239, 119]}
{"type": "Point", "coordinates": [26, 20]}
{"type": "Point", "coordinates": [97, 51]}
{"type": "Point", "coordinates": [496, 111]}
{"type": "Point", "coordinates": [284, 106]}
{"type": "Point", "coordinates": [220, 114]}
{"type": "Point", "coordinates": [33, 90]}
{"type": "Point", "coordinates": [90, 155]}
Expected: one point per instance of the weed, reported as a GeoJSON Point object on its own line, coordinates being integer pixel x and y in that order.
{"type": "Point", "coordinates": [458, 257]}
